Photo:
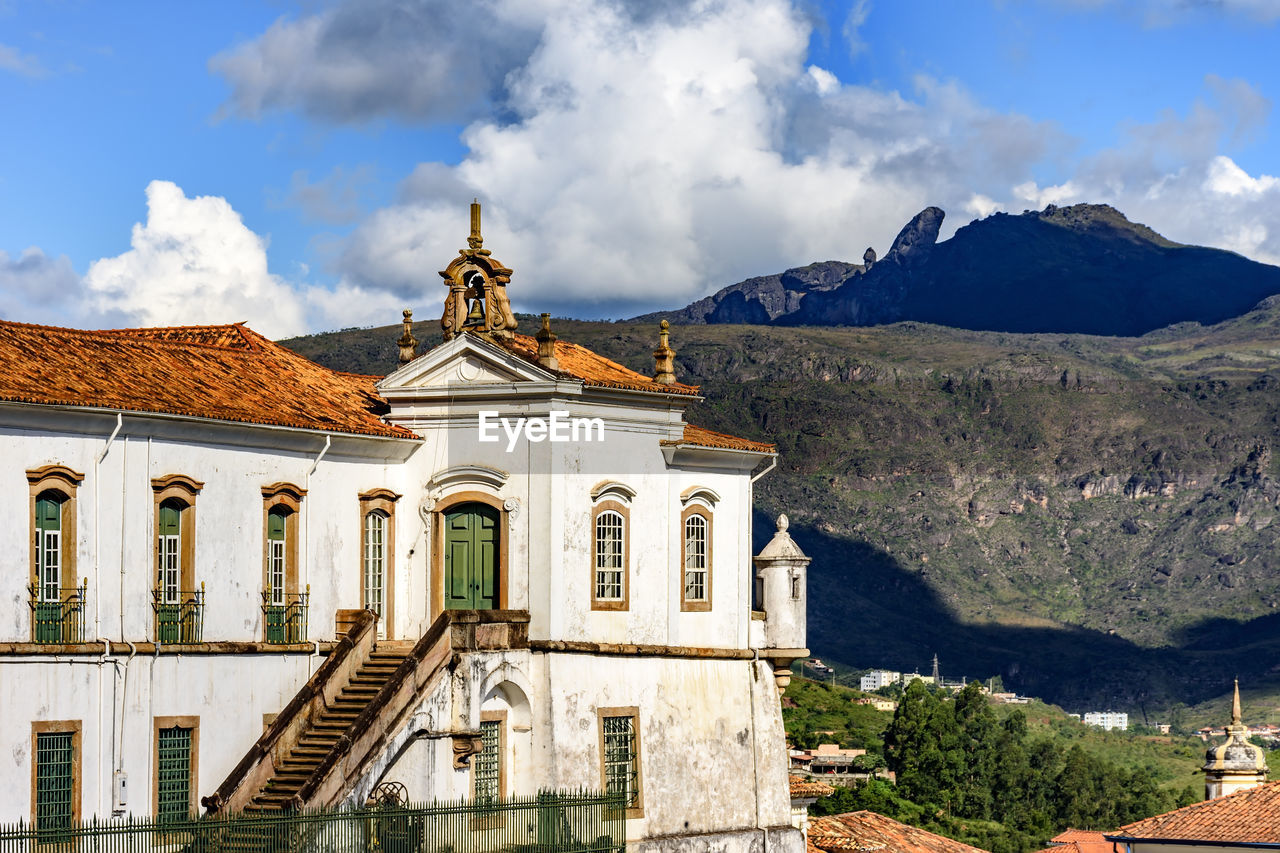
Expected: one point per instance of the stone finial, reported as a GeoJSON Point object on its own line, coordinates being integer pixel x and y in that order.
{"type": "Point", "coordinates": [547, 345]}
{"type": "Point", "coordinates": [408, 343]}
{"type": "Point", "coordinates": [783, 523]}
{"type": "Point", "coordinates": [1235, 705]}
{"type": "Point", "coordinates": [664, 357]}
{"type": "Point", "coordinates": [475, 241]}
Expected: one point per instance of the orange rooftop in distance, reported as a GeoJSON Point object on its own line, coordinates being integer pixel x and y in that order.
{"type": "Point", "coordinates": [868, 831]}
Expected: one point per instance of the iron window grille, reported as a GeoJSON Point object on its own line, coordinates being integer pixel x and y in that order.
{"type": "Point", "coordinates": [173, 775]}
{"type": "Point", "coordinates": [621, 765]}
{"type": "Point", "coordinates": [55, 786]}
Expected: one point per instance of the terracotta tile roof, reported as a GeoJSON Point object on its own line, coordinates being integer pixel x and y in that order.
{"type": "Point", "coordinates": [802, 788]}
{"type": "Point", "coordinates": [708, 438]}
{"type": "Point", "coordinates": [868, 831]}
{"type": "Point", "coordinates": [1249, 816]}
{"type": "Point", "coordinates": [578, 362]}
{"type": "Point", "coordinates": [1080, 841]}
{"type": "Point", "coordinates": [227, 373]}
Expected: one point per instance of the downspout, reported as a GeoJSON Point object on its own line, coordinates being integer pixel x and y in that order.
{"type": "Point", "coordinates": [306, 528]}
{"type": "Point", "coordinates": [118, 746]}
{"type": "Point", "coordinates": [755, 769]}
{"type": "Point", "coordinates": [97, 580]}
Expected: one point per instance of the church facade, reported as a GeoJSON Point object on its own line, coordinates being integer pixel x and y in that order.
{"type": "Point", "coordinates": [241, 581]}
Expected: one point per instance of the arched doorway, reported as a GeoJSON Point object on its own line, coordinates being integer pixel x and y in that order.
{"type": "Point", "coordinates": [472, 546]}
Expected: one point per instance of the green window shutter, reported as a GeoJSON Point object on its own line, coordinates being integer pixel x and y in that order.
{"type": "Point", "coordinates": [276, 569]}
{"type": "Point", "coordinates": [55, 785]}
{"type": "Point", "coordinates": [48, 549]}
{"type": "Point", "coordinates": [173, 775]}
{"type": "Point", "coordinates": [169, 547]}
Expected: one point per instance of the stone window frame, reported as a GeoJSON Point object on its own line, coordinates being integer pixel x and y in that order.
{"type": "Point", "coordinates": [288, 496]}
{"type": "Point", "coordinates": [383, 501]}
{"type": "Point", "coordinates": [74, 727]}
{"type": "Point", "coordinates": [632, 711]}
{"type": "Point", "coordinates": [624, 511]}
{"type": "Point", "coordinates": [187, 721]}
{"type": "Point", "coordinates": [696, 605]}
{"type": "Point", "coordinates": [182, 489]}
{"type": "Point", "coordinates": [63, 481]}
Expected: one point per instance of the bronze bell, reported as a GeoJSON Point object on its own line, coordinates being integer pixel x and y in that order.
{"type": "Point", "coordinates": [475, 317]}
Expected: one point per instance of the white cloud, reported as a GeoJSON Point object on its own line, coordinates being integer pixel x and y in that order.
{"type": "Point", "coordinates": [12, 59]}
{"type": "Point", "coordinates": [194, 262]}
{"type": "Point", "coordinates": [638, 156]}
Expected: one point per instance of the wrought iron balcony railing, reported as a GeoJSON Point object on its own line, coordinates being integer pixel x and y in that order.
{"type": "Point", "coordinates": [179, 615]}
{"type": "Point", "coordinates": [285, 616]}
{"type": "Point", "coordinates": [57, 614]}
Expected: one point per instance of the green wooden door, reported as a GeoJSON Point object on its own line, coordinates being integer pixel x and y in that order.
{"type": "Point", "coordinates": [471, 558]}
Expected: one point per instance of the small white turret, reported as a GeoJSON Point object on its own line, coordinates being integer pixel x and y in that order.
{"type": "Point", "coordinates": [781, 569]}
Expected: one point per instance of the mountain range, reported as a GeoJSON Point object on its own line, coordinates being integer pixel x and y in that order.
{"type": "Point", "coordinates": [1093, 518]}
{"type": "Point", "coordinates": [1080, 269]}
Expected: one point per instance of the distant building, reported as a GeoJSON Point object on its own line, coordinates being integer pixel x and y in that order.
{"type": "Point", "coordinates": [1015, 699]}
{"type": "Point", "coordinates": [1108, 720]}
{"type": "Point", "coordinates": [878, 678]}
{"type": "Point", "coordinates": [877, 703]}
{"type": "Point", "coordinates": [1079, 841]}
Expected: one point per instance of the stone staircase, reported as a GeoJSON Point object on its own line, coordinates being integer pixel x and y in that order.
{"type": "Point", "coordinates": [329, 731]}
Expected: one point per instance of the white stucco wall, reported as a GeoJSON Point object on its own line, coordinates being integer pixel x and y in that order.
{"type": "Point", "coordinates": [116, 702]}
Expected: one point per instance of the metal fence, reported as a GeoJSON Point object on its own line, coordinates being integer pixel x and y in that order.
{"type": "Point", "coordinates": [179, 615]}
{"type": "Point", "coordinates": [560, 822]}
{"type": "Point", "coordinates": [57, 618]}
{"type": "Point", "coordinates": [286, 622]}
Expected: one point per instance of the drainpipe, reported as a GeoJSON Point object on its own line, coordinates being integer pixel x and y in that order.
{"type": "Point", "coordinates": [97, 575]}
{"type": "Point", "coordinates": [306, 530]}
{"type": "Point", "coordinates": [106, 655]}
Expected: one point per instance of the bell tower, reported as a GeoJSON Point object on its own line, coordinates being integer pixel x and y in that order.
{"type": "Point", "coordinates": [1235, 764]}
{"type": "Point", "coordinates": [477, 300]}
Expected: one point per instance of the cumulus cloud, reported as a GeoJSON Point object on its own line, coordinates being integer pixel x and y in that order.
{"type": "Point", "coordinates": [335, 199]}
{"type": "Point", "coordinates": [194, 261]}
{"type": "Point", "coordinates": [643, 156]}
{"type": "Point", "coordinates": [634, 156]}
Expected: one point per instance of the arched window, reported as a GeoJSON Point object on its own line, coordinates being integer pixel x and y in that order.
{"type": "Point", "coordinates": [377, 555]}
{"type": "Point", "coordinates": [610, 585]}
{"type": "Point", "coordinates": [169, 551]}
{"type": "Point", "coordinates": [375, 561]}
{"type": "Point", "coordinates": [696, 592]}
{"type": "Point", "coordinates": [284, 606]}
{"type": "Point", "coordinates": [57, 601]}
{"type": "Point", "coordinates": [48, 524]}
{"type": "Point", "coordinates": [277, 554]}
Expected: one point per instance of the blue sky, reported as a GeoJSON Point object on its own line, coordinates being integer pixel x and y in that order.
{"type": "Point", "coordinates": [307, 166]}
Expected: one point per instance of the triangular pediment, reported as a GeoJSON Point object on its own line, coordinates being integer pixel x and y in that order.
{"type": "Point", "coordinates": [463, 361]}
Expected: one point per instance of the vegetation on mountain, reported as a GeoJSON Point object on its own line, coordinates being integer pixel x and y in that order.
{"type": "Point", "coordinates": [1083, 268]}
{"type": "Point", "coordinates": [996, 781]}
{"type": "Point", "coordinates": [1093, 519]}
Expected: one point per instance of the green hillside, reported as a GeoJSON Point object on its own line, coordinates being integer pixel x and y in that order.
{"type": "Point", "coordinates": [1091, 518]}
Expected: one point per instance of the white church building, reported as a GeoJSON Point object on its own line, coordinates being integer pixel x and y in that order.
{"type": "Point", "coordinates": [239, 580]}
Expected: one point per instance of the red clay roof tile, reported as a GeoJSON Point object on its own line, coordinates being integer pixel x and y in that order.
{"type": "Point", "coordinates": [1249, 816]}
{"type": "Point", "coordinates": [708, 438]}
{"type": "Point", "coordinates": [227, 373]}
{"type": "Point", "coordinates": [578, 362]}
{"type": "Point", "coordinates": [803, 788]}
{"type": "Point", "coordinates": [868, 831]}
